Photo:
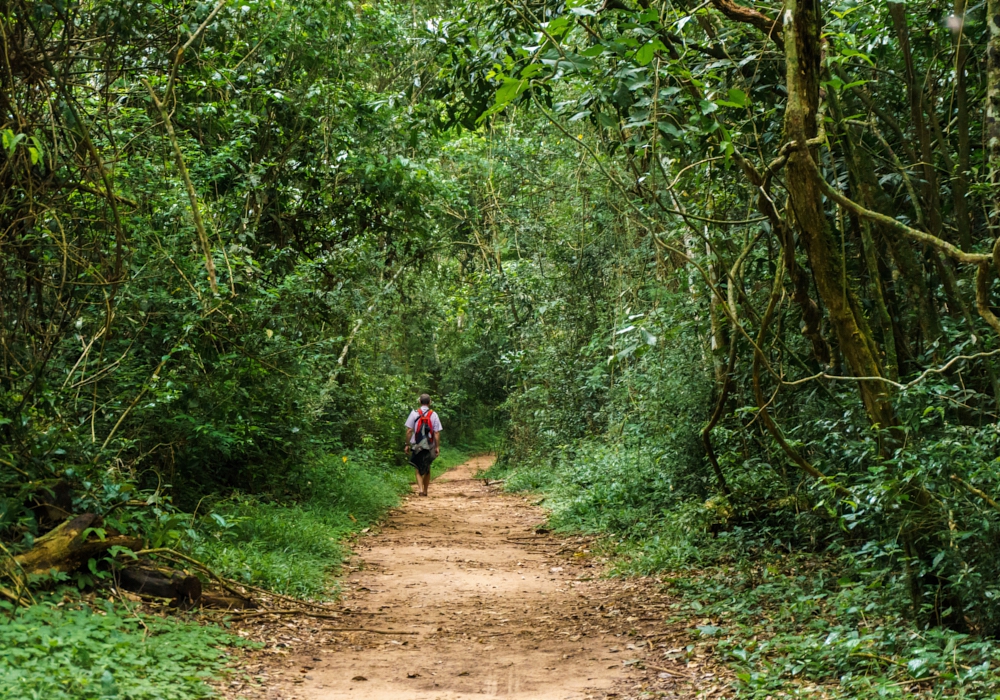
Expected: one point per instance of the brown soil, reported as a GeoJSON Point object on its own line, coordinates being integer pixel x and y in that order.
{"type": "Point", "coordinates": [464, 598]}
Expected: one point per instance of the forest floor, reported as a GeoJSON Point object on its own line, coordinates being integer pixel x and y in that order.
{"type": "Point", "coordinates": [464, 594]}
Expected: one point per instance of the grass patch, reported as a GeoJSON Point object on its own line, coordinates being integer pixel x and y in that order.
{"type": "Point", "coordinates": [294, 548]}
{"type": "Point", "coordinates": [57, 651]}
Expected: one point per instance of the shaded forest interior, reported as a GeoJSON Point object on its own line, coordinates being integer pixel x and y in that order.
{"type": "Point", "coordinates": [720, 280]}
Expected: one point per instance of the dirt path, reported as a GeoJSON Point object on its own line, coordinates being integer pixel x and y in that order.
{"type": "Point", "coordinates": [473, 601]}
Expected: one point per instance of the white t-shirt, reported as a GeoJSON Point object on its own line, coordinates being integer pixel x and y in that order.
{"type": "Point", "coordinates": [411, 422]}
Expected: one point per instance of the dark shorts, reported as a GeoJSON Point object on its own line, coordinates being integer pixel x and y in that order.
{"type": "Point", "coordinates": [422, 461]}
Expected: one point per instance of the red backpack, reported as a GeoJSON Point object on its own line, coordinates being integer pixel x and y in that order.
{"type": "Point", "coordinates": [423, 432]}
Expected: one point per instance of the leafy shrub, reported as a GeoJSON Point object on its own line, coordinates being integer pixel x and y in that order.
{"type": "Point", "coordinates": [57, 651]}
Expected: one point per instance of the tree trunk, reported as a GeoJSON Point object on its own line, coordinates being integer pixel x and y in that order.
{"type": "Point", "coordinates": [802, 55]}
{"type": "Point", "coordinates": [907, 262]}
{"type": "Point", "coordinates": [183, 589]}
{"type": "Point", "coordinates": [909, 266]}
{"type": "Point", "coordinates": [720, 405]}
{"type": "Point", "coordinates": [863, 229]}
{"type": "Point", "coordinates": [875, 283]}
{"type": "Point", "coordinates": [960, 186]}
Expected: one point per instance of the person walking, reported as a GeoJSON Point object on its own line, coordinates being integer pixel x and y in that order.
{"type": "Point", "coordinates": [423, 443]}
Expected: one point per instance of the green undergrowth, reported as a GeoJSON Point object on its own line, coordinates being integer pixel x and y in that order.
{"type": "Point", "coordinates": [295, 547]}
{"type": "Point", "coordinates": [791, 621]}
{"type": "Point", "coordinates": [798, 626]}
{"type": "Point", "coordinates": [67, 650]}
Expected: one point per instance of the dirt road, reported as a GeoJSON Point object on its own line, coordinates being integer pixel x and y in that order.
{"type": "Point", "coordinates": [464, 599]}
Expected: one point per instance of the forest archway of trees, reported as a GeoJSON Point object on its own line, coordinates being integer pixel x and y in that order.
{"type": "Point", "coordinates": [722, 277]}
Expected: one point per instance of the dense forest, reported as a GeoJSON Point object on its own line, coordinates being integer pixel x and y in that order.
{"type": "Point", "coordinates": [719, 279]}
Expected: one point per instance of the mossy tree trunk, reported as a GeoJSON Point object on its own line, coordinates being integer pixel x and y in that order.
{"type": "Point", "coordinates": [854, 336]}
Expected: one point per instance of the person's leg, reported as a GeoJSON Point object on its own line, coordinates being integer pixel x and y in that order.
{"type": "Point", "coordinates": [418, 462]}
{"type": "Point", "coordinates": [426, 471]}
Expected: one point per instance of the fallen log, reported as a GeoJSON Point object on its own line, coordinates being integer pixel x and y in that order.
{"type": "Point", "coordinates": [66, 548]}
{"type": "Point", "coordinates": [179, 558]}
{"type": "Point", "coordinates": [185, 590]}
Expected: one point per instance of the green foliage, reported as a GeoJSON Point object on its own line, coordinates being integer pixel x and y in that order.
{"type": "Point", "coordinates": [295, 547]}
{"type": "Point", "coordinates": [68, 651]}
{"type": "Point", "coordinates": [291, 130]}
{"type": "Point", "coordinates": [796, 623]}
{"type": "Point", "coordinates": [128, 379]}
{"type": "Point", "coordinates": [572, 223]}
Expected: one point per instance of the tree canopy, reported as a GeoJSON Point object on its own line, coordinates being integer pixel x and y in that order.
{"type": "Point", "coordinates": [720, 274]}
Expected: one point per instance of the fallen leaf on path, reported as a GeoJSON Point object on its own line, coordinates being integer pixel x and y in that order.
{"type": "Point", "coordinates": [359, 678]}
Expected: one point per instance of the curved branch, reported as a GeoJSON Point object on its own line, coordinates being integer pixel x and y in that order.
{"type": "Point", "coordinates": [902, 387]}
{"type": "Point", "coordinates": [945, 247]}
{"type": "Point", "coordinates": [747, 15]}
